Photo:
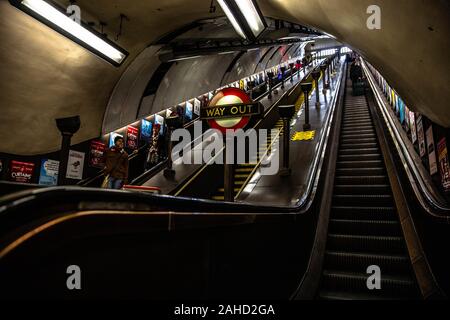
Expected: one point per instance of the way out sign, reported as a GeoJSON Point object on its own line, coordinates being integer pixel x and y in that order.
{"type": "Point", "coordinates": [230, 109]}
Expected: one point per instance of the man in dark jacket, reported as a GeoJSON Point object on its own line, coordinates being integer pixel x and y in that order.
{"type": "Point", "coordinates": [117, 164]}
{"type": "Point", "coordinates": [355, 71]}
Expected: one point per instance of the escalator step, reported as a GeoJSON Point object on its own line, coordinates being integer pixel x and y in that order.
{"type": "Point", "coordinates": [241, 176]}
{"type": "Point", "coordinates": [359, 136]}
{"type": "Point", "coordinates": [349, 117]}
{"type": "Point", "coordinates": [364, 213]}
{"type": "Point", "coordinates": [359, 164]}
{"type": "Point", "coordinates": [358, 151]}
{"type": "Point", "coordinates": [248, 169]}
{"type": "Point", "coordinates": [360, 171]}
{"type": "Point", "coordinates": [376, 200]}
{"type": "Point", "coordinates": [357, 157]}
{"type": "Point", "coordinates": [359, 145]}
{"type": "Point", "coordinates": [365, 227]}
{"type": "Point", "coordinates": [358, 133]}
{"type": "Point", "coordinates": [359, 243]}
{"type": "Point", "coordinates": [362, 189]}
{"type": "Point", "coordinates": [222, 190]}
{"type": "Point", "coordinates": [398, 285]}
{"type": "Point", "coordinates": [358, 262]}
{"type": "Point", "coordinates": [356, 122]}
{"type": "Point", "coordinates": [345, 295]}
{"type": "Point", "coordinates": [357, 126]}
{"type": "Point", "coordinates": [360, 113]}
{"type": "Point", "coordinates": [358, 140]}
{"type": "Point", "coordinates": [362, 119]}
{"type": "Point", "coordinates": [367, 180]}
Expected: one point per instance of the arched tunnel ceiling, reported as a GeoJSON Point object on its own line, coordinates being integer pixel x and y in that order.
{"type": "Point", "coordinates": [44, 75]}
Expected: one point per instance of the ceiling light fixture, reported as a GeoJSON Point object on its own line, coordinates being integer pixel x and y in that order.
{"type": "Point", "coordinates": [82, 34]}
{"type": "Point", "coordinates": [245, 16]}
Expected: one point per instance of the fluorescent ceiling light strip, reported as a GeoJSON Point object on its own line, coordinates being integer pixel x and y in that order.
{"type": "Point", "coordinates": [251, 15]}
{"type": "Point", "coordinates": [56, 17]}
{"type": "Point", "coordinates": [232, 18]}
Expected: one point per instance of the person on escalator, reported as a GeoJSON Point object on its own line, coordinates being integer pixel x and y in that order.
{"type": "Point", "coordinates": [356, 76]}
{"type": "Point", "coordinates": [116, 168]}
{"type": "Point", "coordinates": [355, 72]}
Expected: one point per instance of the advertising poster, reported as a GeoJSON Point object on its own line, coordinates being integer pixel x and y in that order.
{"type": "Point", "coordinates": [113, 136]}
{"type": "Point", "coordinates": [97, 154]}
{"type": "Point", "coordinates": [132, 137]}
{"type": "Point", "coordinates": [421, 136]}
{"type": "Point", "coordinates": [160, 120]}
{"type": "Point", "coordinates": [189, 110]}
{"type": "Point", "coordinates": [241, 84]}
{"type": "Point", "coordinates": [393, 99]}
{"type": "Point", "coordinates": [49, 172]}
{"type": "Point", "coordinates": [197, 106]}
{"type": "Point", "coordinates": [431, 151]}
{"type": "Point", "coordinates": [443, 164]}
{"type": "Point", "coordinates": [21, 171]}
{"type": "Point", "coordinates": [146, 130]}
{"type": "Point", "coordinates": [401, 108]}
{"type": "Point", "coordinates": [412, 123]}
{"type": "Point", "coordinates": [75, 165]}
{"type": "Point", "coordinates": [407, 118]}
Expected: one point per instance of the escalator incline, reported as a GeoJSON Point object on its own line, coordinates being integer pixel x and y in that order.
{"type": "Point", "coordinates": [364, 228]}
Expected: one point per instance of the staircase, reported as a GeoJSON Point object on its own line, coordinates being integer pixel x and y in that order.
{"type": "Point", "coordinates": [243, 171]}
{"type": "Point", "coordinates": [364, 229]}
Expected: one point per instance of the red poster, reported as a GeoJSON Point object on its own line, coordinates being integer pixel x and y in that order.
{"type": "Point", "coordinates": [443, 164]}
{"type": "Point", "coordinates": [21, 171]}
{"type": "Point", "coordinates": [132, 137]}
{"type": "Point", "coordinates": [96, 154]}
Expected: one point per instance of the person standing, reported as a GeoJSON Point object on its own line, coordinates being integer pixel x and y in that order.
{"type": "Point", "coordinates": [117, 164]}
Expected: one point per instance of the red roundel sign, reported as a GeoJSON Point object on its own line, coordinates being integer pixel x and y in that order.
{"type": "Point", "coordinates": [229, 109]}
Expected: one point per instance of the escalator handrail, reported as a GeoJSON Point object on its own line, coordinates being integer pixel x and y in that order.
{"type": "Point", "coordinates": [428, 198]}
{"type": "Point", "coordinates": [313, 182]}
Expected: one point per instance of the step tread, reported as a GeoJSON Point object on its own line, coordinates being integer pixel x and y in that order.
{"type": "Point", "coordinates": [399, 279]}
{"type": "Point", "coordinates": [399, 257]}
{"type": "Point", "coordinates": [344, 295]}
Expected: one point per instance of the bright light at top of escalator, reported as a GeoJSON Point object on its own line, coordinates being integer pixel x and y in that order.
{"type": "Point", "coordinates": [251, 14]}
{"type": "Point", "coordinates": [244, 16]}
{"type": "Point", "coordinates": [230, 16]}
{"type": "Point", "coordinates": [51, 14]}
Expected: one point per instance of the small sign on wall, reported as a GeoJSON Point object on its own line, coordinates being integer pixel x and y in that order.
{"type": "Point", "coordinates": [132, 137]}
{"type": "Point", "coordinates": [75, 165]}
{"type": "Point", "coordinates": [444, 167]}
{"type": "Point", "coordinates": [431, 151]}
{"type": "Point", "coordinates": [49, 172]}
{"type": "Point", "coordinates": [97, 154]}
{"type": "Point", "coordinates": [21, 171]}
{"type": "Point", "coordinates": [421, 136]}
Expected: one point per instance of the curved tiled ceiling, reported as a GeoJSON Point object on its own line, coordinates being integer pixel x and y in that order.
{"type": "Point", "coordinates": [46, 76]}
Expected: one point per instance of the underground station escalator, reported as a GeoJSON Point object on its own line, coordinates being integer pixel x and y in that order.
{"type": "Point", "coordinates": [137, 245]}
{"type": "Point", "coordinates": [364, 228]}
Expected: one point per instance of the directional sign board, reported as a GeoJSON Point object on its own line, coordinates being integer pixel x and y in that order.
{"type": "Point", "coordinates": [230, 109]}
